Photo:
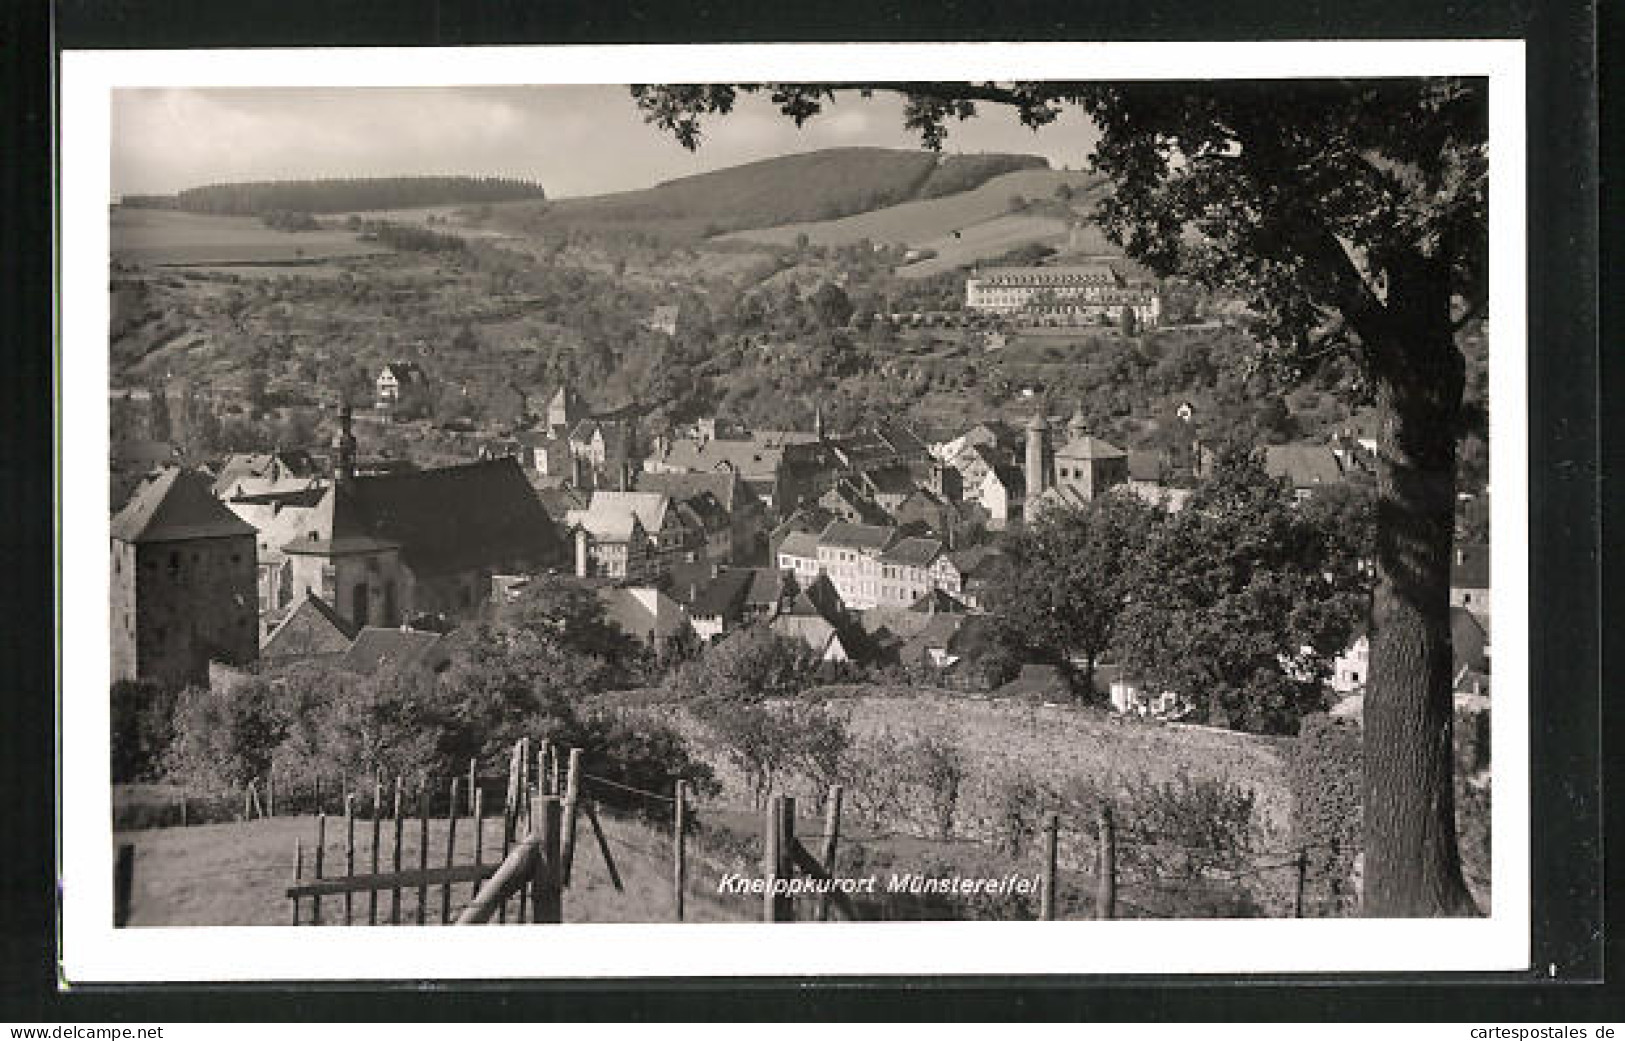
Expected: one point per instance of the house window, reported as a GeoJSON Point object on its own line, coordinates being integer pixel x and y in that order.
{"type": "Point", "coordinates": [358, 602]}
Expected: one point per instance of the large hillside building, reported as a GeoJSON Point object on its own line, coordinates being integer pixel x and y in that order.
{"type": "Point", "coordinates": [182, 583]}
{"type": "Point", "coordinates": [1061, 295]}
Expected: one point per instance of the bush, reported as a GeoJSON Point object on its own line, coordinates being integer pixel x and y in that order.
{"type": "Point", "coordinates": [641, 753]}
{"type": "Point", "coordinates": [939, 770]}
{"type": "Point", "coordinates": [1325, 777]}
{"type": "Point", "coordinates": [143, 722]}
{"type": "Point", "coordinates": [1019, 803]}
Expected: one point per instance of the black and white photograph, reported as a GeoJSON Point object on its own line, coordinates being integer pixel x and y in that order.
{"type": "Point", "coordinates": [877, 509]}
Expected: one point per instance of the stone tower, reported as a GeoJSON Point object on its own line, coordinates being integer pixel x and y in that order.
{"type": "Point", "coordinates": [184, 583]}
{"type": "Point", "coordinates": [1037, 478]}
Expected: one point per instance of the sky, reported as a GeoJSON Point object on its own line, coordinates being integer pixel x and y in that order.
{"type": "Point", "coordinates": [573, 140]}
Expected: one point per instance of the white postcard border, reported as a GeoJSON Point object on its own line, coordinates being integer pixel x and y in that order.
{"type": "Point", "coordinates": [93, 951]}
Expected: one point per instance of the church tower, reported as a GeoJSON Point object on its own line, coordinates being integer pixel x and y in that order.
{"type": "Point", "coordinates": [1037, 478]}
{"type": "Point", "coordinates": [344, 446]}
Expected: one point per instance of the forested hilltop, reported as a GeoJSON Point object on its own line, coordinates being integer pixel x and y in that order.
{"type": "Point", "coordinates": [340, 195]}
{"type": "Point", "coordinates": [812, 186]}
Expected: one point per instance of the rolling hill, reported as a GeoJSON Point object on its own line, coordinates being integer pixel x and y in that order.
{"type": "Point", "coordinates": [809, 187]}
{"type": "Point", "coordinates": [961, 228]}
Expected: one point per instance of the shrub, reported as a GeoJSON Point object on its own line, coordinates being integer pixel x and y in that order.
{"type": "Point", "coordinates": [142, 729]}
{"type": "Point", "coordinates": [226, 739]}
{"type": "Point", "coordinates": [1019, 803]}
{"type": "Point", "coordinates": [939, 769]}
{"type": "Point", "coordinates": [1324, 775]}
{"type": "Point", "coordinates": [638, 752]}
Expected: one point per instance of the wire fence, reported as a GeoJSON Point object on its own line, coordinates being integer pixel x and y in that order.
{"type": "Point", "coordinates": [1151, 873]}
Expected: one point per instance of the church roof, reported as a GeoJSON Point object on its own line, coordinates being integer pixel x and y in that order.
{"type": "Point", "coordinates": [1088, 447]}
{"type": "Point", "coordinates": [449, 519]}
{"type": "Point", "coordinates": [175, 504]}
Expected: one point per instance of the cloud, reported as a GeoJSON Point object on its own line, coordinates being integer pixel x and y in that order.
{"type": "Point", "coordinates": [574, 140]}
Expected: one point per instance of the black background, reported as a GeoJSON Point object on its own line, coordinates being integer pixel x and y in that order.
{"type": "Point", "coordinates": [1571, 647]}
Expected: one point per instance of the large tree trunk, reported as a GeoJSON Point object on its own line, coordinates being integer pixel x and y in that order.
{"type": "Point", "coordinates": [1412, 864]}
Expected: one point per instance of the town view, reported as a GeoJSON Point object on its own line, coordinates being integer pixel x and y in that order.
{"type": "Point", "coordinates": [847, 530]}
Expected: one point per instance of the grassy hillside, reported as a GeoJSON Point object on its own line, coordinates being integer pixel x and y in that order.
{"type": "Point", "coordinates": [173, 237]}
{"type": "Point", "coordinates": [924, 221]}
{"type": "Point", "coordinates": [814, 186]}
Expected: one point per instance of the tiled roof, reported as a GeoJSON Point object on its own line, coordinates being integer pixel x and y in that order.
{"type": "Point", "coordinates": [1303, 465]}
{"type": "Point", "coordinates": [724, 487]}
{"type": "Point", "coordinates": [974, 559]}
{"type": "Point", "coordinates": [311, 628]}
{"type": "Point", "coordinates": [748, 458]}
{"type": "Point", "coordinates": [912, 552]}
{"type": "Point", "coordinates": [802, 544]}
{"type": "Point", "coordinates": [723, 596]}
{"type": "Point", "coordinates": [939, 602]}
{"type": "Point", "coordinates": [1060, 274]}
{"type": "Point", "coordinates": [856, 536]}
{"type": "Point", "coordinates": [613, 507]}
{"type": "Point", "coordinates": [893, 480]}
{"type": "Point", "coordinates": [1468, 640]}
{"type": "Point", "coordinates": [175, 504]}
{"type": "Point", "coordinates": [642, 610]}
{"type": "Point", "coordinates": [1011, 477]}
{"type": "Point", "coordinates": [376, 649]}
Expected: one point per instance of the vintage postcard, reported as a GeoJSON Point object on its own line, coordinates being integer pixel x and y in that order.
{"type": "Point", "coordinates": [849, 510]}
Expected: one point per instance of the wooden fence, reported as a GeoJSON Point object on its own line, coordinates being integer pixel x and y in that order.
{"type": "Point", "coordinates": [546, 795]}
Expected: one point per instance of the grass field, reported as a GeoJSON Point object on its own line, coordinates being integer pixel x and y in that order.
{"type": "Point", "coordinates": [235, 874]}
{"type": "Point", "coordinates": [171, 237]}
{"type": "Point", "coordinates": [933, 220]}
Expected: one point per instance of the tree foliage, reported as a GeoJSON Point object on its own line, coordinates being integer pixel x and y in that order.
{"type": "Point", "coordinates": [1068, 577]}
{"type": "Point", "coordinates": [1239, 604]}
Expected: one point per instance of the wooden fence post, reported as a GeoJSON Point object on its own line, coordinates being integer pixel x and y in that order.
{"type": "Point", "coordinates": [679, 825]}
{"type": "Point", "coordinates": [183, 809]}
{"type": "Point", "coordinates": [321, 850]}
{"type": "Point", "coordinates": [451, 849]}
{"type": "Point", "coordinates": [377, 829]}
{"type": "Point", "coordinates": [270, 792]}
{"type": "Point", "coordinates": [123, 884]}
{"type": "Point", "coordinates": [826, 852]}
{"type": "Point", "coordinates": [510, 800]}
{"type": "Point", "coordinates": [1302, 866]}
{"type": "Point", "coordinates": [572, 792]}
{"type": "Point", "coordinates": [423, 848]}
{"type": "Point", "coordinates": [349, 852]}
{"type": "Point", "coordinates": [395, 857]}
{"type": "Point", "coordinates": [473, 783]}
{"type": "Point", "coordinates": [777, 862]}
{"type": "Point", "coordinates": [547, 904]}
{"type": "Point", "coordinates": [479, 836]}
{"type": "Point", "coordinates": [1106, 881]}
{"type": "Point", "coordinates": [317, 792]}
{"type": "Point", "coordinates": [298, 872]}
{"type": "Point", "coordinates": [1052, 831]}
